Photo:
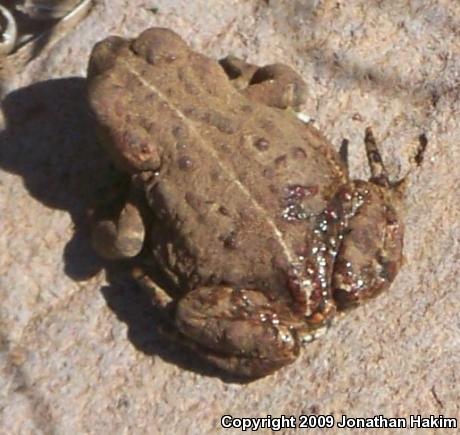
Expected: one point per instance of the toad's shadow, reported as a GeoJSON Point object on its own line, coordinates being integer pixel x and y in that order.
{"type": "Point", "coordinates": [49, 141]}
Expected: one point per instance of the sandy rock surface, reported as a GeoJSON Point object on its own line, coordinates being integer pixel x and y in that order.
{"type": "Point", "coordinates": [78, 347]}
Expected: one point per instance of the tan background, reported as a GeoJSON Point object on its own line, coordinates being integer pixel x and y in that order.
{"type": "Point", "coordinates": [79, 353]}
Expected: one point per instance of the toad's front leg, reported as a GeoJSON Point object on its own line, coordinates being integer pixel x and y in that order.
{"type": "Point", "coordinates": [275, 85]}
{"type": "Point", "coordinates": [241, 331]}
{"type": "Point", "coordinates": [117, 228]}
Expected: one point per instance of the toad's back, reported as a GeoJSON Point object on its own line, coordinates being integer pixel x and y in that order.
{"type": "Point", "coordinates": [237, 184]}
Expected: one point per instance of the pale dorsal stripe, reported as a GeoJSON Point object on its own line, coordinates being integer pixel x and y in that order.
{"type": "Point", "coordinates": [230, 173]}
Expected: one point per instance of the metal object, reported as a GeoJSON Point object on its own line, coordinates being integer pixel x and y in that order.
{"type": "Point", "coordinates": [47, 9]}
{"type": "Point", "coordinates": [45, 18]}
{"type": "Point", "coordinates": [8, 31]}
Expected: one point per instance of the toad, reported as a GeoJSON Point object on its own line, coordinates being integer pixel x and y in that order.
{"type": "Point", "coordinates": [249, 211]}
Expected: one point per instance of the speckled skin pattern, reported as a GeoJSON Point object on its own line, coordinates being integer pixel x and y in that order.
{"type": "Point", "coordinates": [250, 211]}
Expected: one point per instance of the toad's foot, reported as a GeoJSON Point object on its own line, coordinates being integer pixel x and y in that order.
{"type": "Point", "coordinates": [370, 254]}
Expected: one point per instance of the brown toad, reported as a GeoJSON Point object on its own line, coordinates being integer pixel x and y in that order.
{"type": "Point", "coordinates": [248, 210]}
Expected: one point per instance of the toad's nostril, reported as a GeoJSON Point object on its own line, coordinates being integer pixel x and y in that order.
{"type": "Point", "coordinates": [262, 75]}
{"type": "Point", "coordinates": [232, 66]}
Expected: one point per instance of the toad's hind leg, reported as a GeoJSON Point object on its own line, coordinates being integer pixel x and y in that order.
{"type": "Point", "coordinates": [370, 253]}
{"type": "Point", "coordinates": [241, 331]}
{"type": "Point", "coordinates": [275, 85]}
